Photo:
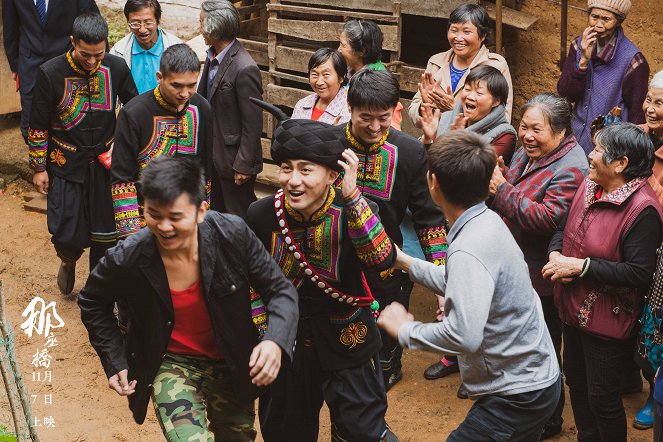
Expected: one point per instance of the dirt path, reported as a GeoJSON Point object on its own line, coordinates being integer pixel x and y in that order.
{"type": "Point", "coordinates": [85, 409]}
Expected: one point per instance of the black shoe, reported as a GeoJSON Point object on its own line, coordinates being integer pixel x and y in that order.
{"type": "Point", "coordinates": [439, 370]}
{"type": "Point", "coordinates": [550, 429]}
{"type": "Point", "coordinates": [66, 277]}
{"type": "Point", "coordinates": [462, 392]}
{"type": "Point", "coordinates": [394, 379]}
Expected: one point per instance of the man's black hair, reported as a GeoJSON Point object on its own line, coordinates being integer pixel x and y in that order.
{"type": "Point", "coordinates": [132, 6]}
{"type": "Point", "coordinates": [90, 27]}
{"type": "Point", "coordinates": [370, 89]}
{"type": "Point", "coordinates": [178, 59]}
{"type": "Point", "coordinates": [463, 163]}
{"type": "Point", "coordinates": [164, 179]}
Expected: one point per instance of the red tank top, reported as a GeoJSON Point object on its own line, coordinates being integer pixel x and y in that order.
{"type": "Point", "coordinates": [193, 333]}
{"type": "Point", "coordinates": [316, 114]}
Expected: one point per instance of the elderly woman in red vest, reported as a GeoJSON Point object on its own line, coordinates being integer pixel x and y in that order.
{"type": "Point", "coordinates": [603, 261]}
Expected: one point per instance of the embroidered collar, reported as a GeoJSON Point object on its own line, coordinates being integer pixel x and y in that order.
{"type": "Point", "coordinates": [317, 214]}
{"type": "Point", "coordinates": [78, 70]}
{"type": "Point", "coordinates": [360, 147]}
{"type": "Point", "coordinates": [309, 271]}
{"type": "Point", "coordinates": [164, 104]}
{"type": "Point", "coordinates": [617, 196]}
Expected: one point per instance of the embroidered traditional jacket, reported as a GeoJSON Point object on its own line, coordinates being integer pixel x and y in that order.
{"type": "Point", "coordinates": [392, 173]}
{"type": "Point", "coordinates": [343, 238]}
{"type": "Point", "coordinates": [149, 127]}
{"type": "Point", "coordinates": [73, 113]}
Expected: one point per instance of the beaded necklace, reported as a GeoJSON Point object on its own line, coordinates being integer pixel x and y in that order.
{"type": "Point", "coordinates": [309, 271]}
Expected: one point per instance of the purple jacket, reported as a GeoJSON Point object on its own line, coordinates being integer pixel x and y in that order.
{"type": "Point", "coordinates": [533, 204]}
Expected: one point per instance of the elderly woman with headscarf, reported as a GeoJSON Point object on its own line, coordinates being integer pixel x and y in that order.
{"type": "Point", "coordinates": [446, 72]}
{"type": "Point", "coordinates": [603, 261]}
{"type": "Point", "coordinates": [534, 197]}
{"type": "Point", "coordinates": [604, 69]}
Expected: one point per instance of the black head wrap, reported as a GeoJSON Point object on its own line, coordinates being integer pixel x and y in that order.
{"type": "Point", "coordinates": [304, 139]}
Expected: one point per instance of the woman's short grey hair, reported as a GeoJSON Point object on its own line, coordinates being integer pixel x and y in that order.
{"type": "Point", "coordinates": [475, 14]}
{"type": "Point", "coordinates": [627, 140]}
{"type": "Point", "coordinates": [221, 20]}
{"type": "Point", "coordinates": [657, 81]}
{"type": "Point", "coordinates": [556, 111]}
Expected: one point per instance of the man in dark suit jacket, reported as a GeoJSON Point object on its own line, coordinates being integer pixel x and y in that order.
{"type": "Point", "coordinates": [34, 32]}
{"type": "Point", "coordinates": [230, 77]}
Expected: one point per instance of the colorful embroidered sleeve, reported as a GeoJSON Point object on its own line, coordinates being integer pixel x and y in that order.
{"type": "Point", "coordinates": [125, 206]}
{"type": "Point", "coordinates": [433, 241]}
{"type": "Point", "coordinates": [38, 146]}
{"type": "Point", "coordinates": [373, 246]}
{"type": "Point", "coordinates": [40, 122]}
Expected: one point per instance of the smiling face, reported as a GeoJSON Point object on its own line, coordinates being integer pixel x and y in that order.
{"type": "Point", "coordinates": [88, 55]}
{"type": "Point", "coordinates": [369, 125]}
{"type": "Point", "coordinates": [305, 184]}
{"type": "Point", "coordinates": [177, 87]}
{"type": "Point", "coordinates": [174, 225]}
{"type": "Point", "coordinates": [653, 108]}
{"type": "Point", "coordinates": [464, 39]}
{"type": "Point", "coordinates": [601, 173]}
{"type": "Point", "coordinates": [325, 81]}
{"type": "Point", "coordinates": [536, 134]}
{"type": "Point", "coordinates": [477, 101]}
{"type": "Point", "coordinates": [605, 23]}
{"type": "Point", "coordinates": [145, 27]}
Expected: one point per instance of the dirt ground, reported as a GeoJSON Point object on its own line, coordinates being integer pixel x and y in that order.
{"type": "Point", "coordinates": [84, 409]}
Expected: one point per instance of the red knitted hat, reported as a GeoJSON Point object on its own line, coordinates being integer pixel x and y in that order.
{"type": "Point", "coordinates": [619, 7]}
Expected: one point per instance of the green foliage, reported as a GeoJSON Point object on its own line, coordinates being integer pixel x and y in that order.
{"type": "Point", "coordinates": [117, 25]}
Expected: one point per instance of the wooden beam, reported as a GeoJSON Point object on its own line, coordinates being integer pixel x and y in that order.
{"type": "Point", "coordinates": [290, 77]}
{"type": "Point", "coordinates": [292, 59]}
{"type": "Point", "coordinates": [367, 5]}
{"type": "Point", "coordinates": [244, 10]}
{"type": "Point", "coordinates": [266, 145]}
{"type": "Point", "coordinates": [269, 175]}
{"type": "Point", "coordinates": [326, 31]}
{"type": "Point", "coordinates": [432, 8]}
{"type": "Point", "coordinates": [407, 125]}
{"type": "Point", "coordinates": [285, 96]}
{"type": "Point", "coordinates": [257, 50]}
{"type": "Point", "coordinates": [409, 78]}
{"type": "Point", "coordinates": [511, 17]}
{"type": "Point", "coordinates": [498, 26]}
{"type": "Point", "coordinates": [326, 12]}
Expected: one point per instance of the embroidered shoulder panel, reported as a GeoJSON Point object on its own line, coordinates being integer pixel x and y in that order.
{"type": "Point", "coordinates": [378, 173]}
{"type": "Point", "coordinates": [171, 135]}
{"type": "Point", "coordinates": [82, 95]}
{"type": "Point", "coordinates": [321, 244]}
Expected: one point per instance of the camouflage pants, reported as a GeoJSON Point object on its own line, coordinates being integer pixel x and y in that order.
{"type": "Point", "coordinates": [190, 390]}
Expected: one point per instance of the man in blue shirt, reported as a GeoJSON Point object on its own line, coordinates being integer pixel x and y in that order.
{"type": "Point", "coordinates": [142, 48]}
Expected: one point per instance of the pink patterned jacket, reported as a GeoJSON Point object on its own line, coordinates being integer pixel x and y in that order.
{"type": "Point", "coordinates": [338, 106]}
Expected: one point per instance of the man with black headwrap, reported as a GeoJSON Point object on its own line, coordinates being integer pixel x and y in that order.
{"type": "Point", "coordinates": [324, 239]}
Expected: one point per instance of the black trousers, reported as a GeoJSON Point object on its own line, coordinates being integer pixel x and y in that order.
{"type": "Point", "coordinates": [514, 418]}
{"type": "Point", "coordinates": [554, 325]}
{"type": "Point", "coordinates": [80, 215]}
{"type": "Point", "coordinates": [290, 410]}
{"type": "Point", "coordinates": [593, 368]}
{"type": "Point", "coordinates": [26, 105]}
{"type": "Point", "coordinates": [228, 197]}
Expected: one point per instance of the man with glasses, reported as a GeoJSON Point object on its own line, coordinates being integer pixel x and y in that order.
{"type": "Point", "coordinates": [604, 69]}
{"type": "Point", "coordinates": [143, 47]}
{"type": "Point", "coordinates": [71, 132]}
